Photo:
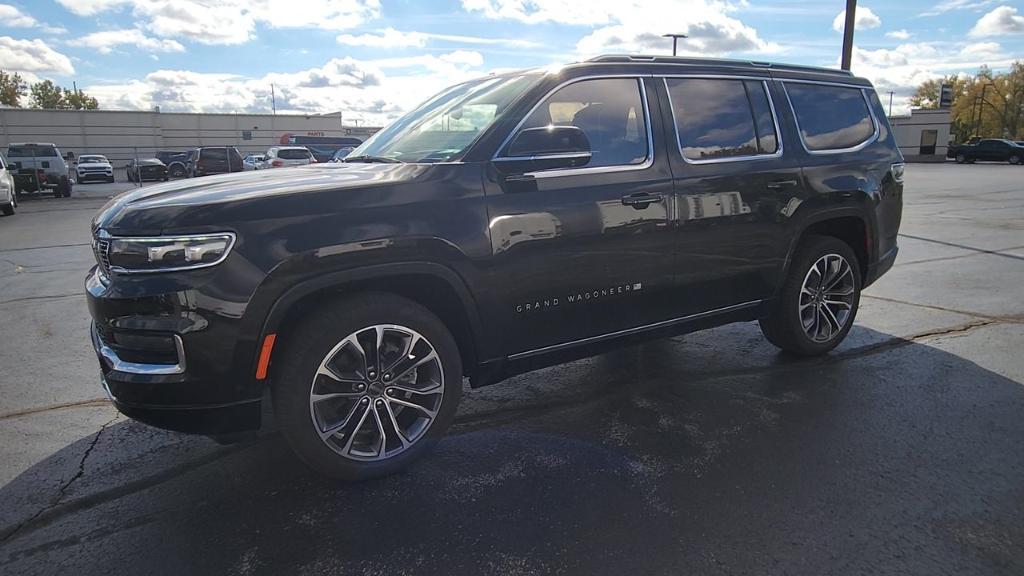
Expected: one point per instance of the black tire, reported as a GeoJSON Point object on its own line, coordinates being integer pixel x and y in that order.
{"type": "Point", "coordinates": [177, 170]}
{"type": "Point", "coordinates": [303, 349]}
{"type": "Point", "coordinates": [1014, 159]}
{"type": "Point", "coordinates": [960, 158]}
{"type": "Point", "coordinates": [110, 180]}
{"type": "Point", "coordinates": [784, 327]}
{"type": "Point", "coordinates": [8, 209]}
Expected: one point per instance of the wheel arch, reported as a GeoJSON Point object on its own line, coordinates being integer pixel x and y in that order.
{"type": "Point", "coordinates": [850, 224]}
{"type": "Point", "coordinates": [432, 285]}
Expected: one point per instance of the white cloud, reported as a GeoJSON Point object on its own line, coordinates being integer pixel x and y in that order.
{"type": "Point", "coordinates": [903, 68]}
{"type": "Point", "coordinates": [388, 38]}
{"type": "Point", "coordinates": [232, 21]}
{"type": "Point", "coordinates": [637, 25]}
{"type": "Point", "coordinates": [32, 56]}
{"type": "Point", "coordinates": [950, 5]}
{"type": "Point", "coordinates": [362, 89]}
{"type": "Point", "coordinates": [104, 42]}
{"type": "Point", "coordinates": [999, 22]}
{"type": "Point", "coordinates": [14, 18]}
{"type": "Point", "coordinates": [391, 38]}
{"type": "Point", "coordinates": [898, 34]}
{"type": "Point", "coordinates": [865, 20]}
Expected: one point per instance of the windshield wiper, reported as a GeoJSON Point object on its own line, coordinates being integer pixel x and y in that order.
{"type": "Point", "coordinates": [371, 159]}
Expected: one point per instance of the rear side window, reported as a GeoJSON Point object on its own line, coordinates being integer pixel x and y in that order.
{"type": "Point", "coordinates": [215, 154]}
{"type": "Point", "coordinates": [830, 117]}
{"type": "Point", "coordinates": [293, 154]}
{"type": "Point", "coordinates": [722, 119]}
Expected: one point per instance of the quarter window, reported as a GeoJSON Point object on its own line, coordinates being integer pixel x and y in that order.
{"type": "Point", "coordinates": [722, 119]}
{"type": "Point", "coordinates": [830, 117]}
{"type": "Point", "coordinates": [610, 111]}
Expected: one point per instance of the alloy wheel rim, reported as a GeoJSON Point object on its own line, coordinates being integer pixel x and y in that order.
{"type": "Point", "coordinates": [377, 392]}
{"type": "Point", "coordinates": [826, 298]}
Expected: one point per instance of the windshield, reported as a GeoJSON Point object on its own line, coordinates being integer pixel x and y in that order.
{"type": "Point", "coordinates": [293, 154]}
{"type": "Point", "coordinates": [444, 126]}
{"type": "Point", "coordinates": [92, 160]}
{"type": "Point", "coordinates": [31, 151]}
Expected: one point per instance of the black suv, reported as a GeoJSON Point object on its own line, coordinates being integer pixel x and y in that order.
{"type": "Point", "coordinates": [213, 160]}
{"type": "Point", "coordinates": [511, 222]}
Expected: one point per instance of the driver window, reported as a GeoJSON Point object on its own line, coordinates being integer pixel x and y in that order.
{"type": "Point", "coordinates": [609, 111]}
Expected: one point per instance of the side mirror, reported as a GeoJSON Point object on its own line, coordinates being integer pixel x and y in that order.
{"type": "Point", "coordinates": [14, 165]}
{"type": "Point", "coordinates": [545, 148]}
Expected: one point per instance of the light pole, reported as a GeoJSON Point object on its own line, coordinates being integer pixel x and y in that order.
{"type": "Point", "coordinates": [851, 19]}
{"type": "Point", "coordinates": [675, 40]}
{"type": "Point", "coordinates": [890, 103]}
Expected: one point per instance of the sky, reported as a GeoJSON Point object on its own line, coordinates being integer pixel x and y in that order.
{"type": "Point", "coordinates": [375, 59]}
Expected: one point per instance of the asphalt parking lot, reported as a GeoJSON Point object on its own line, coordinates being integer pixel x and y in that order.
{"type": "Point", "coordinates": [711, 453]}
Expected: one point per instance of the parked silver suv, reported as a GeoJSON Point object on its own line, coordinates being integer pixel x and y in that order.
{"type": "Point", "coordinates": [39, 166]}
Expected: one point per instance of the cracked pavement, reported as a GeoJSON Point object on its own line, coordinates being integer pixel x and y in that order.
{"type": "Point", "coordinates": [708, 453]}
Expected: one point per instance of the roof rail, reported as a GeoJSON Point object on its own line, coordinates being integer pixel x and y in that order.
{"type": "Point", "coordinates": [655, 59]}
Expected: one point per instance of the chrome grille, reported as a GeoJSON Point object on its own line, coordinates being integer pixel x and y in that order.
{"type": "Point", "coordinates": [101, 247]}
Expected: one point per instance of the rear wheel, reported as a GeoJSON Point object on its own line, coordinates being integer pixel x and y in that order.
{"type": "Point", "coordinates": [177, 170]}
{"type": "Point", "coordinates": [366, 386]}
{"type": "Point", "coordinates": [819, 300]}
{"type": "Point", "coordinates": [1014, 159]}
{"type": "Point", "coordinates": [9, 208]}
{"type": "Point", "coordinates": [960, 158]}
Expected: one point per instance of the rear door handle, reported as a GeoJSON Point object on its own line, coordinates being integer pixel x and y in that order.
{"type": "Point", "coordinates": [641, 200]}
{"type": "Point", "coordinates": [780, 184]}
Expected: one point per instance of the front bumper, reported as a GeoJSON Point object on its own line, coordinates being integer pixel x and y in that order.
{"type": "Point", "coordinates": [166, 361]}
{"type": "Point", "coordinates": [104, 175]}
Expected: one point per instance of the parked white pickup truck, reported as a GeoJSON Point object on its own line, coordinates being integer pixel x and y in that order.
{"type": "Point", "coordinates": [39, 166]}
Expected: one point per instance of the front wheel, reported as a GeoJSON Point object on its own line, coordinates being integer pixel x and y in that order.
{"type": "Point", "coordinates": [818, 302]}
{"type": "Point", "coordinates": [1015, 159]}
{"type": "Point", "coordinates": [366, 385]}
{"type": "Point", "coordinates": [960, 158]}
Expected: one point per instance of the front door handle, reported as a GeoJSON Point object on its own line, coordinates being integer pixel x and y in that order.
{"type": "Point", "coordinates": [641, 200]}
{"type": "Point", "coordinates": [780, 184]}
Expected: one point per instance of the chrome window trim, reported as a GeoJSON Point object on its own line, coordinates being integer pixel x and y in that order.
{"type": "Point", "coordinates": [583, 170]}
{"type": "Point", "coordinates": [119, 365]}
{"type": "Point", "coordinates": [771, 105]}
{"type": "Point", "coordinates": [104, 235]}
{"type": "Point", "coordinates": [871, 114]}
{"type": "Point", "coordinates": [634, 330]}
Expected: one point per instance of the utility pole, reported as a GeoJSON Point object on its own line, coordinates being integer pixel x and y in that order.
{"type": "Point", "coordinates": [273, 99]}
{"type": "Point", "coordinates": [851, 19]}
{"type": "Point", "coordinates": [675, 40]}
{"type": "Point", "coordinates": [890, 103]}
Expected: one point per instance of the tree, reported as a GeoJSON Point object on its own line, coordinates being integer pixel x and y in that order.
{"type": "Point", "coordinates": [47, 95]}
{"type": "Point", "coordinates": [78, 100]}
{"type": "Point", "coordinates": [986, 105]}
{"type": "Point", "coordinates": [12, 88]}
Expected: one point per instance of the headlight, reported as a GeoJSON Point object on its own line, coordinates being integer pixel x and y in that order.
{"type": "Point", "coordinates": [167, 253]}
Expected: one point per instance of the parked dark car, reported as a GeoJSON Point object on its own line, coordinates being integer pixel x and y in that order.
{"type": "Point", "coordinates": [213, 160]}
{"type": "Point", "coordinates": [989, 149]}
{"type": "Point", "coordinates": [140, 170]}
{"type": "Point", "coordinates": [522, 220]}
{"type": "Point", "coordinates": [175, 162]}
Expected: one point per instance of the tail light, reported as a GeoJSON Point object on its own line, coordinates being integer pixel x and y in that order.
{"type": "Point", "coordinates": [200, 165]}
{"type": "Point", "coordinates": [277, 163]}
{"type": "Point", "coordinates": [312, 160]}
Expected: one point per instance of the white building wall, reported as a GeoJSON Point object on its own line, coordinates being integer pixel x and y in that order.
{"type": "Point", "coordinates": [908, 130]}
{"type": "Point", "coordinates": [121, 135]}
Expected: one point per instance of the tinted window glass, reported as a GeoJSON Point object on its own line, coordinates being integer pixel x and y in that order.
{"type": "Point", "coordinates": [609, 111]}
{"type": "Point", "coordinates": [721, 118]}
{"type": "Point", "coordinates": [764, 121]}
{"type": "Point", "coordinates": [215, 154]}
{"type": "Point", "coordinates": [29, 151]}
{"type": "Point", "coordinates": [830, 117]}
{"type": "Point", "coordinates": [293, 154]}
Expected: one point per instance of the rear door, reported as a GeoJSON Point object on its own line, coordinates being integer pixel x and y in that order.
{"type": "Point", "coordinates": [733, 185]}
{"type": "Point", "coordinates": [579, 253]}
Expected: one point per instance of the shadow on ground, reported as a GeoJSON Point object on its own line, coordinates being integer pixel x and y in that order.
{"type": "Point", "coordinates": [668, 458]}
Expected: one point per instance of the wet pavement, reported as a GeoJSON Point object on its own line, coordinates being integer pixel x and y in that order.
{"type": "Point", "coordinates": [709, 453]}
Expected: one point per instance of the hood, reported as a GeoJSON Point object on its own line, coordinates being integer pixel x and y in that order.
{"type": "Point", "coordinates": [151, 209]}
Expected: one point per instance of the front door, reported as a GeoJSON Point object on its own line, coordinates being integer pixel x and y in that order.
{"type": "Point", "coordinates": [583, 252]}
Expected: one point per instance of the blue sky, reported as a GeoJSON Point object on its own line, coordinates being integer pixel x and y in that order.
{"type": "Point", "coordinates": [376, 58]}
